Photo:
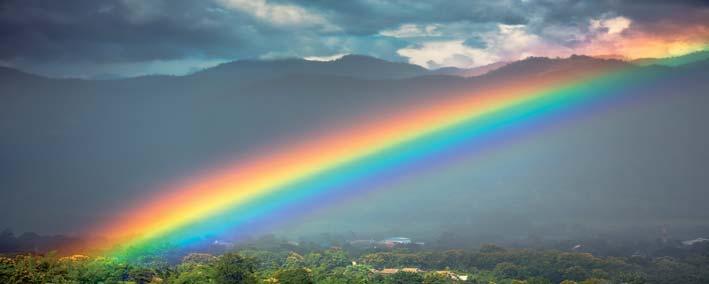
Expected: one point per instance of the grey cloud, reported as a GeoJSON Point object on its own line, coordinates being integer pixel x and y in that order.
{"type": "Point", "coordinates": [574, 12]}
{"type": "Point", "coordinates": [365, 17]}
{"type": "Point", "coordinates": [475, 42]}
{"type": "Point", "coordinates": [114, 31]}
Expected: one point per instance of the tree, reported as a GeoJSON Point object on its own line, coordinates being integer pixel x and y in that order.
{"type": "Point", "coordinates": [491, 248]}
{"type": "Point", "coordinates": [358, 274]}
{"type": "Point", "coordinates": [576, 273]}
{"type": "Point", "coordinates": [437, 278]}
{"type": "Point", "coordinates": [633, 278]}
{"type": "Point", "coordinates": [294, 260]}
{"type": "Point", "coordinates": [510, 270]}
{"type": "Point", "coordinates": [537, 280]}
{"type": "Point", "coordinates": [141, 275]}
{"type": "Point", "coordinates": [199, 258]}
{"type": "Point", "coordinates": [232, 268]}
{"type": "Point", "coordinates": [294, 276]}
{"type": "Point", "coordinates": [403, 277]}
{"type": "Point", "coordinates": [193, 273]}
{"type": "Point", "coordinates": [7, 267]}
{"type": "Point", "coordinates": [594, 281]}
{"type": "Point", "coordinates": [336, 257]}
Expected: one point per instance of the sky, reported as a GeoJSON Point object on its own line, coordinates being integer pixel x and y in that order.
{"type": "Point", "coordinates": [115, 38]}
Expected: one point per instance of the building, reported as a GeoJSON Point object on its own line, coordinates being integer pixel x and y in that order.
{"type": "Point", "coordinates": [453, 275]}
{"type": "Point", "coordinates": [390, 242]}
{"type": "Point", "coordinates": [395, 270]}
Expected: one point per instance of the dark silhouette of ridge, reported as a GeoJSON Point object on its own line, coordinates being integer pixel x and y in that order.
{"type": "Point", "coordinates": [539, 66]}
{"type": "Point", "coordinates": [356, 66]}
{"type": "Point", "coordinates": [674, 61]}
{"type": "Point", "coordinates": [8, 74]}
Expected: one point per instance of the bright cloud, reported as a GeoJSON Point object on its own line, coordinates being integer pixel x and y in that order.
{"type": "Point", "coordinates": [279, 14]}
{"type": "Point", "coordinates": [604, 36]}
{"type": "Point", "coordinates": [506, 43]}
{"type": "Point", "coordinates": [618, 36]}
{"type": "Point", "coordinates": [412, 30]}
{"type": "Point", "coordinates": [325, 58]}
{"type": "Point", "coordinates": [446, 53]}
{"type": "Point", "coordinates": [610, 26]}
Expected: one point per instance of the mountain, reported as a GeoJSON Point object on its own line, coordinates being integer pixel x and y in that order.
{"type": "Point", "coordinates": [8, 75]}
{"type": "Point", "coordinates": [542, 66]}
{"type": "Point", "coordinates": [356, 66]}
{"type": "Point", "coordinates": [469, 72]}
{"type": "Point", "coordinates": [673, 61]}
{"type": "Point", "coordinates": [75, 147]}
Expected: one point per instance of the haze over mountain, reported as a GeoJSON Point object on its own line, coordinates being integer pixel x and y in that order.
{"type": "Point", "coordinates": [469, 72]}
{"type": "Point", "coordinates": [673, 61]}
{"type": "Point", "coordinates": [71, 147]}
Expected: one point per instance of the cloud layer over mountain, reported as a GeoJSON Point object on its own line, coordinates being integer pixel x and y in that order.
{"type": "Point", "coordinates": [90, 38]}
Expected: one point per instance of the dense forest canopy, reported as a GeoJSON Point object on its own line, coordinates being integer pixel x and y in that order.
{"type": "Point", "coordinates": [270, 260]}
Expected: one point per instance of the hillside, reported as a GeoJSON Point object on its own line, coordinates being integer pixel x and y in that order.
{"type": "Point", "coordinates": [356, 66]}
{"type": "Point", "coordinates": [469, 72]}
{"type": "Point", "coordinates": [125, 138]}
{"type": "Point", "coordinates": [673, 61]}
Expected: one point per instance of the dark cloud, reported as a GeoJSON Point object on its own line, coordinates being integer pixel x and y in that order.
{"type": "Point", "coordinates": [115, 31]}
{"type": "Point", "coordinates": [365, 17]}
{"type": "Point", "coordinates": [571, 12]}
{"type": "Point", "coordinates": [475, 42]}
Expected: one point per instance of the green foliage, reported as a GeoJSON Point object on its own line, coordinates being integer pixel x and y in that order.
{"type": "Point", "coordinates": [595, 281]}
{"type": "Point", "coordinates": [402, 277]}
{"type": "Point", "coordinates": [193, 273]}
{"type": "Point", "coordinates": [510, 270]}
{"type": "Point", "coordinates": [141, 275]}
{"type": "Point", "coordinates": [537, 280]}
{"type": "Point", "coordinates": [358, 274]}
{"type": "Point", "coordinates": [294, 261]}
{"type": "Point", "coordinates": [437, 278]}
{"type": "Point", "coordinates": [633, 278]}
{"type": "Point", "coordinates": [199, 258]}
{"type": "Point", "coordinates": [233, 268]}
{"type": "Point", "coordinates": [576, 273]}
{"type": "Point", "coordinates": [282, 264]}
{"type": "Point", "coordinates": [7, 269]}
{"type": "Point", "coordinates": [491, 248]}
{"type": "Point", "coordinates": [100, 270]}
{"type": "Point", "coordinates": [294, 276]}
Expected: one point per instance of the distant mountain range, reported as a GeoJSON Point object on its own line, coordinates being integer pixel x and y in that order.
{"type": "Point", "coordinates": [357, 66]}
{"type": "Point", "coordinates": [469, 72]}
{"type": "Point", "coordinates": [673, 61]}
{"type": "Point", "coordinates": [353, 66]}
{"type": "Point", "coordinates": [363, 67]}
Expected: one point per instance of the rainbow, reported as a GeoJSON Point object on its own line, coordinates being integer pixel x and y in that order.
{"type": "Point", "coordinates": [312, 173]}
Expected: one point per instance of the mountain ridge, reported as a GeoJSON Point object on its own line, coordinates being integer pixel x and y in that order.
{"type": "Point", "coordinates": [673, 61]}
{"type": "Point", "coordinates": [355, 66]}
